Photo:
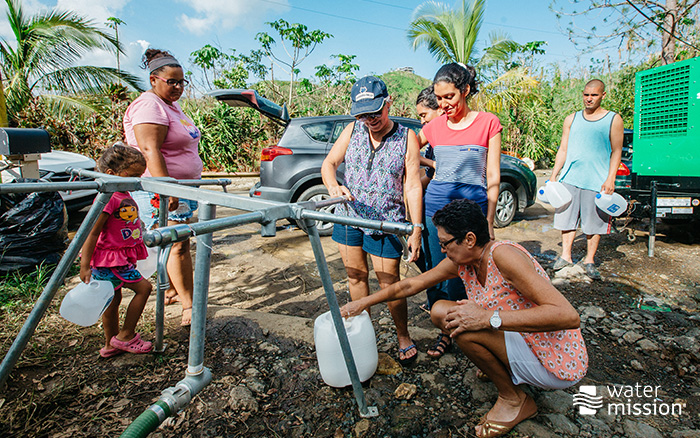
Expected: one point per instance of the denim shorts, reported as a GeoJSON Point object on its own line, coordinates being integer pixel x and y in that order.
{"type": "Point", "coordinates": [386, 246]}
{"type": "Point", "coordinates": [148, 212]}
{"type": "Point", "coordinates": [117, 275]}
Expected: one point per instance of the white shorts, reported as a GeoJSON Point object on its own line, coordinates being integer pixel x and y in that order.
{"type": "Point", "coordinates": [525, 368]}
{"type": "Point", "coordinates": [582, 210]}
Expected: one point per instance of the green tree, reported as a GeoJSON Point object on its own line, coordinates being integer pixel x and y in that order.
{"type": "Point", "coordinates": [301, 44]}
{"type": "Point", "coordinates": [632, 24]}
{"type": "Point", "coordinates": [114, 22]}
{"type": "Point", "coordinates": [223, 70]}
{"type": "Point", "coordinates": [40, 62]}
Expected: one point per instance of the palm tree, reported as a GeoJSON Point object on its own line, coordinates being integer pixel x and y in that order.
{"type": "Point", "coordinates": [114, 23]}
{"type": "Point", "coordinates": [40, 61]}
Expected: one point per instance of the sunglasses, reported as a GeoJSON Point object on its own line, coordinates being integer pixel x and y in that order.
{"type": "Point", "coordinates": [370, 116]}
{"type": "Point", "coordinates": [173, 82]}
{"type": "Point", "coordinates": [445, 244]}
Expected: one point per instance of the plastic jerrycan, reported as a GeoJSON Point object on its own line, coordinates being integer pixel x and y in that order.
{"type": "Point", "coordinates": [613, 204]}
{"type": "Point", "coordinates": [147, 266]}
{"type": "Point", "coordinates": [86, 302]}
{"type": "Point", "coordinates": [363, 344]}
{"type": "Point", "coordinates": [556, 194]}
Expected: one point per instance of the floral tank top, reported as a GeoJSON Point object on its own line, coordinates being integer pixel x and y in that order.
{"type": "Point", "coordinates": [562, 353]}
{"type": "Point", "coordinates": [375, 176]}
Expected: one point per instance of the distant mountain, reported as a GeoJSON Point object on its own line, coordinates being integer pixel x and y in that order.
{"type": "Point", "coordinates": [404, 87]}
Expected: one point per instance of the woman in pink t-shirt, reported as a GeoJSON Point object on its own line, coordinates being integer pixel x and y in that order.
{"type": "Point", "coordinates": [155, 124]}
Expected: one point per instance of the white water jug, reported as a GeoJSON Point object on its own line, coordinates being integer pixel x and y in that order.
{"type": "Point", "coordinates": [363, 344]}
{"type": "Point", "coordinates": [86, 302]}
{"type": "Point", "coordinates": [147, 266]}
{"type": "Point", "coordinates": [613, 204]}
{"type": "Point", "coordinates": [555, 194]}
{"type": "Point", "coordinates": [541, 195]}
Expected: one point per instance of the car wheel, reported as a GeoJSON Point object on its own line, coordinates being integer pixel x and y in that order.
{"type": "Point", "coordinates": [319, 193]}
{"type": "Point", "coordinates": [507, 206]}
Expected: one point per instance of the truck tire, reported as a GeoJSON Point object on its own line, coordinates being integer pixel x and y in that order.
{"type": "Point", "coordinates": [506, 206]}
{"type": "Point", "coordinates": [318, 193]}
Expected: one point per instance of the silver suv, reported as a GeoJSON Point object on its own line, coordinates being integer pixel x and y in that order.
{"type": "Point", "coordinates": [290, 171]}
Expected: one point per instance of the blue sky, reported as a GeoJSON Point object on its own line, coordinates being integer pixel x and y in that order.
{"type": "Point", "coordinates": [374, 30]}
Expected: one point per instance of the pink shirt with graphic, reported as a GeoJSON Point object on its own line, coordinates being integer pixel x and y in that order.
{"type": "Point", "coordinates": [121, 240]}
{"type": "Point", "coordinates": [180, 149]}
{"type": "Point", "coordinates": [562, 352]}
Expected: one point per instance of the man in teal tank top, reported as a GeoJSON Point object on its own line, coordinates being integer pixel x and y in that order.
{"type": "Point", "coordinates": [586, 163]}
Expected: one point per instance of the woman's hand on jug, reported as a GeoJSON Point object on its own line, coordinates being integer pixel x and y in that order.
{"type": "Point", "coordinates": [353, 308]}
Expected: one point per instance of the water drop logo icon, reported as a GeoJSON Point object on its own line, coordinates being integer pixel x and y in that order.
{"type": "Point", "coordinates": [587, 401]}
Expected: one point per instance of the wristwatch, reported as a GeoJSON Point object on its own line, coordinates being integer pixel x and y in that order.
{"type": "Point", "coordinates": [495, 320]}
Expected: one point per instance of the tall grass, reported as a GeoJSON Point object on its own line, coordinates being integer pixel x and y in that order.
{"type": "Point", "coordinates": [19, 288]}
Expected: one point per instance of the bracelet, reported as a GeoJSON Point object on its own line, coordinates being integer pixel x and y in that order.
{"type": "Point", "coordinates": [421, 226]}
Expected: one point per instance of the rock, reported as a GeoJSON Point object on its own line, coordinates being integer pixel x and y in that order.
{"type": "Point", "coordinates": [407, 420]}
{"type": "Point", "coordinates": [531, 428]}
{"type": "Point", "coordinates": [636, 365]}
{"type": "Point", "coordinates": [362, 427]}
{"type": "Point", "coordinates": [648, 346]}
{"type": "Point", "coordinates": [255, 385]}
{"type": "Point", "coordinates": [557, 401]}
{"type": "Point", "coordinates": [482, 392]}
{"type": "Point", "coordinates": [632, 337]}
{"type": "Point", "coordinates": [599, 426]}
{"type": "Point", "coordinates": [687, 344]}
{"type": "Point", "coordinates": [447, 360]}
{"type": "Point", "coordinates": [252, 372]}
{"type": "Point", "coordinates": [592, 312]}
{"type": "Point", "coordinates": [559, 282]}
{"type": "Point", "coordinates": [270, 348]}
{"type": "Point", "coordinates": [636, 429]}
{"type": "Point", "coordinates": [562, 423]}
{"type": "Point", "coordinates": [386, 321]}
{"type": "Point", "coordinates": [242, 399]}
{"type": "Point", "coordinates": [617, 332]}
{"type": "Point", "coordinates": [570, 272]}
{"type": "Point", "coordinates": [405, 391]}
{"type": "Point", "coordinates": [387, 365]}
{"type": "Point", "coordinates": [688, 433]}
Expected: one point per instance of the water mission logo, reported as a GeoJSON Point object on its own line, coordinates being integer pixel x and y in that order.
{"type": "Point", "coordinates": [587, 401]}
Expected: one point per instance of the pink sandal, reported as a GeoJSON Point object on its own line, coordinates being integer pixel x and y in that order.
{"type": "Point", "coordinates": [135, 345]}
{"type": "Point", "coordinates": [110, 352]}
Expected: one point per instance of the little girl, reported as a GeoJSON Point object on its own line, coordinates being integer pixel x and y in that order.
{"type": "Point", "coordinates": [111, 251]}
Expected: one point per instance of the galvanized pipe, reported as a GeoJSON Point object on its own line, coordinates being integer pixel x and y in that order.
{"type": "Point", "coordinates": [325, 274]}
{"type": "Point", "coordinates": [162, 280]}
{"type": "Point", "coordinates": [52, 286]}
{"type": "Point", "coordinates": [387, 227]}
{"type": "Point", "coordinates": [177, 233]}
{"type": "Point", "coordinates": [195, 364]}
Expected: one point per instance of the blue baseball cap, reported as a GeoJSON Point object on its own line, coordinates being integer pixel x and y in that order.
{"type": "Point", "coordinates": [368, 95]}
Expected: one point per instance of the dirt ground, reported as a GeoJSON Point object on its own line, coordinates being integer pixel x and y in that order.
{"type": "Point", "coordinates": [264, 296]}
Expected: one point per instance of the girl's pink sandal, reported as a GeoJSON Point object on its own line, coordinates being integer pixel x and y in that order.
{"type": "Point", "coordinates": [135, 345]}
{"type": "Point", "coordinates": [110, 352]}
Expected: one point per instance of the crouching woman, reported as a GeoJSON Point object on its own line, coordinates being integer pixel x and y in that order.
{"type": "Point", "coordinates": [515, 326]}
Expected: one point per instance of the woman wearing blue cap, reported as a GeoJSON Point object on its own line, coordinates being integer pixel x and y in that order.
{"type": "Point", "coordinates": [381, 165]}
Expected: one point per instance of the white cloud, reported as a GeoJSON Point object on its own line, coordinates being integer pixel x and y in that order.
{"type": "Point", "coordinates": [227, 14]}
{"type": "Point", "coordinates": [97, 10]}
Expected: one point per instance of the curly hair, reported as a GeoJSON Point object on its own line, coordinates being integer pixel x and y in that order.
{"type": "Point", "coordinates": [120, 157]}
{"type": "Point", "coordinates": [151, 54]}
{"type": "Point", "coordinates": [462, 216]}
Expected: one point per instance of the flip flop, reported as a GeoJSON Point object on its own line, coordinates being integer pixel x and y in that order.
{"type": "Point", "coordinates": [492, 429]}
{"type": "Point", "coordinates": [110, 352]}
{"type": "Point", "coordinates": [408, 360]}
{"type": "Point", "coordinates": [136, 345]}
{"type": "Point", "coordinates": [443, 344]}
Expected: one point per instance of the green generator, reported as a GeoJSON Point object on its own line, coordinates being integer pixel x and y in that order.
{"type": "Point", "coordinates": [666, 145]}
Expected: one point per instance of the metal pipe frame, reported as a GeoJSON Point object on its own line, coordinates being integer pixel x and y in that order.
{"type": "Point", "coordinates": [264, 212]}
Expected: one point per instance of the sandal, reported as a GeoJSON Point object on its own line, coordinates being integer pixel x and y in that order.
{"type": "Point", "coordinates": [442, 346]}
{"type": "Point", "coordinates": [492, 429]}
{"type": "Point", "coordinates": [110, 352]}
{"type": "Point", "coordinates": [136, 345]}
{"type": "Point", "coordinates": [407, 360]}
{"type": "Point", "coordinates": [186, 317]}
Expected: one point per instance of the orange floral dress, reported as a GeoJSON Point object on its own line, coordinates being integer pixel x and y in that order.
{"type": "Point", "coordinates": [562, 353]}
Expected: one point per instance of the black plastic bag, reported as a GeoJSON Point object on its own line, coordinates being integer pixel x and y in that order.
{"type": "Point", "coordinates": [33, 229]}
